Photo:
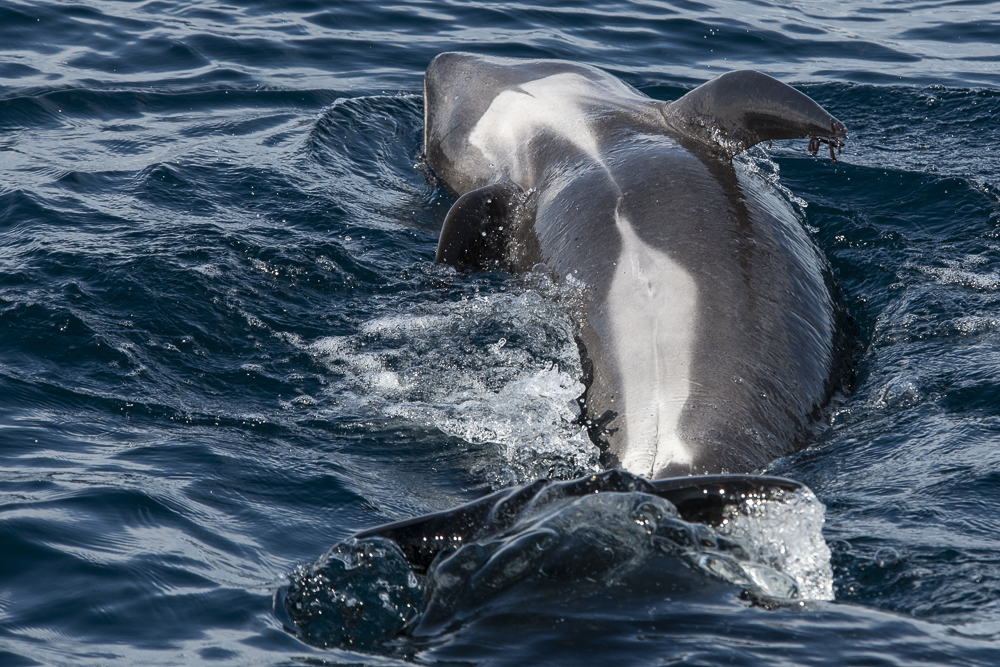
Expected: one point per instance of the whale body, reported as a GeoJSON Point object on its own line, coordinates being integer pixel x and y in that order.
{"type": "Point", "coordinates": [714, 334]}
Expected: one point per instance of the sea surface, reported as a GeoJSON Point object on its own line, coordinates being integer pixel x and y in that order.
{"type": "Point", "coordinates": [224, 345]}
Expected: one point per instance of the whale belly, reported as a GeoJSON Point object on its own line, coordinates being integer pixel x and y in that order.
{"type": "Point", "coordinates": [652, 302]}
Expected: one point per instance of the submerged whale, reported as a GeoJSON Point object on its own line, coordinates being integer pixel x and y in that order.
{"type": "Point", "coordinates": [714, 334]}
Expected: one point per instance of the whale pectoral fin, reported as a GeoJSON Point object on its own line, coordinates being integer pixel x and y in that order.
{"type": "Point", "coordinates": [477, 229]}
{"type": "Point", "coordinates": [740, 109]}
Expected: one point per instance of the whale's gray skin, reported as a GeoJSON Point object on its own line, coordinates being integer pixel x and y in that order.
{"type": "Point", "coordinates": [714, 331]}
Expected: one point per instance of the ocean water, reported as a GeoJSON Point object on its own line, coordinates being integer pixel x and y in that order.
{"type": "Point", "coordinates": [224, 347]}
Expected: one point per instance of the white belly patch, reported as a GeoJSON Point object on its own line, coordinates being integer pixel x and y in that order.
{"type": "Point", "coordinates": [556, 105]}
{"type": "Point", "coordinates": [652, 303]}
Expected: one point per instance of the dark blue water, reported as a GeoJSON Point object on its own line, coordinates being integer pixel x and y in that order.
{"type": "Point", "coordinates": [224, 346]}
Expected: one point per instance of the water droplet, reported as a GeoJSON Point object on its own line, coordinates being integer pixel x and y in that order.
{"type": "Point", "coordinates": [887, 557]}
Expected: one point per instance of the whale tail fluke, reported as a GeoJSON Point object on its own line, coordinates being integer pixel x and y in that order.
{"type": "Point", "coordinates": [740, 109]}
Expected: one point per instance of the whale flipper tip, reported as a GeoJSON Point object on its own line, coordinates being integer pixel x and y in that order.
{"type": "Point", "coordinates": [742, 108]}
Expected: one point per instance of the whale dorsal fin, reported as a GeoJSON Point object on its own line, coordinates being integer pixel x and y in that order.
{"type": "Point", "coordinates": [740, 109]}
{"type": "Point", "coordinates": [476, 230]}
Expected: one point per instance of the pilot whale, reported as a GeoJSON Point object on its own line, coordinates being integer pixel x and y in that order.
{"type": "Point", "coordinates": [714, 334]}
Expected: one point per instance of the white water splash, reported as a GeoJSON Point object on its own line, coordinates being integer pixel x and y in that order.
{"type": "Point", "coordinates": [786, 534]}
{"type": "Point", "coordinates": [498, 369]}
{"type": "Point", "coordinates": [962, 272]}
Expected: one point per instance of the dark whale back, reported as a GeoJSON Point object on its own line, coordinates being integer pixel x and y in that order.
{"type": "Point", "coordinates": [714, 332]}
